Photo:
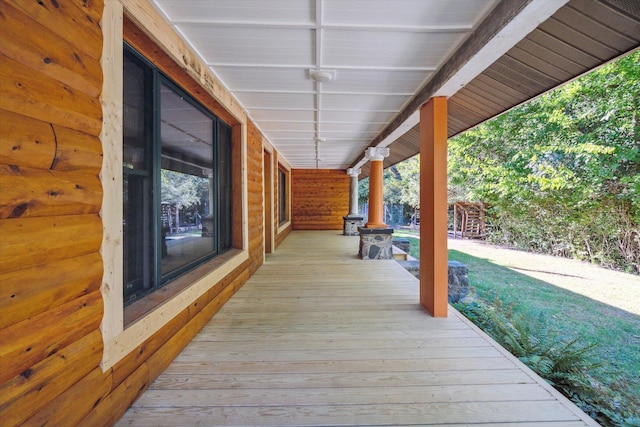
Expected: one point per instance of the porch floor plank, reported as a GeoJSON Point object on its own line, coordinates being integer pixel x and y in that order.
{"type": "Point", "coordinates": [319, 337]}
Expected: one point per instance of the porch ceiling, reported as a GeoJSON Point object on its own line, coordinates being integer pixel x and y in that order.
{"type": "Point", "coordinates": [580, 36]}
{"type": "Point", "coordinates": [388, 58]}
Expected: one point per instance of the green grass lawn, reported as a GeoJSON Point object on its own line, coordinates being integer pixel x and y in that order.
{"type": "Point", "coordinates": [410, 235]}
{"type": "Point", "coordinates": [559, 314]}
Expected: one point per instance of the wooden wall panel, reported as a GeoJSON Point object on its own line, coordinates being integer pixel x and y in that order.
{"type": "Point", "coordinates": [34, 94]}
{"type": "Point", "coordinates": [27, 242]}
{"type": "Point", "coordinates": [77, 151]}
{"type": "Point", "coordinates": [66, 63]}
{"type": "Point", "coordinates": [25, 293]}
{"type": "Point", "coordinates": [110, 409]}
{"type": "Point", "coordinates": [256, 195]}
{"type": "Point", "coordinates": [133, 360]}
{"type": "Point", "coordinates": [236, 190]}
{"type": "Point", "coordinates": [26, 141]}
{"type": "Point", "coordinates": [29, 192]}
{"type": "Point", "coordinates": [31, 341]}
{"type": "Point", "coordinates": [67, 409]}
{"type": "Point", "coordinates": [50, 198]}
{"type": "Point", "coordinates": [37, 144]}
{"type": "Point", "coordinates": [25, 394]}
{"type": "Point", "coordinates": [320, 198]}
{"type": "Point", "coordinates": [77, 22]}
{"type": "Point", "coordinates": [276, 195]}
{"type": "Point", "coordinates": [282, 235]}
{"type": "Point", "coordinates": [267, 170]}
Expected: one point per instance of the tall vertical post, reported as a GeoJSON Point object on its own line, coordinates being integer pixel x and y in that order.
{"type": "Point", "coordinates": [376, 155]}
{"type": "Point", "coordinates": [353, 220]}
{"type": "Point", "coordinates": [433, 207]}
{"type": "Point", "coordinates": [353, 191]}
{"type": "Point", "coordinates": [376, 239]}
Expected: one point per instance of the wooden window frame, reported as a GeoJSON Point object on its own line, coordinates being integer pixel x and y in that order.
{"type": "Point", "coordinates": [122, 331]}
{"type": "Point", "coordinates": [152, 169]}
{"type": "Point", "coordinates": [284, 179]}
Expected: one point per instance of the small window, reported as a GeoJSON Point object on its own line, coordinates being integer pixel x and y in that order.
{"type": "Point", "coordinates": [176, 177]}
{"type": "Point", "coordinates": [283, 203]}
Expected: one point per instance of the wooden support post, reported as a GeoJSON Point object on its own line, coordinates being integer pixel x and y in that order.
{"type": "Point", "coordinates": [353, 191]}
{"type": "Point", "coordinates": [433, 207]}
{"type": "Point", "coordinates": [376, 203]}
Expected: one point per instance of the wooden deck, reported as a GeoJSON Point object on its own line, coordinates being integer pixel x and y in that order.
{"type": "Point", "coordinates": [319, 337]}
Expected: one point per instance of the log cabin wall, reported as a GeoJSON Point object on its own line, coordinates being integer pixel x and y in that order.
{"type": "Point", "coordinates": [51, 231]}
{"type": "Point", "coordinates": [256, 196]}
{"type": "Point", "coordinates": [320, 198]}
{"type": "Point", "coordinates": [50, 198]}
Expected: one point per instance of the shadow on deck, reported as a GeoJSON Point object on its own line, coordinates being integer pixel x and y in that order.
{"type": "Point", "coordinates": [319, 337]}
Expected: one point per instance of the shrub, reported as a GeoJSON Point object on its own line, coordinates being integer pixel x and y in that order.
{"type": "Point", "coordinates": [564, 365]}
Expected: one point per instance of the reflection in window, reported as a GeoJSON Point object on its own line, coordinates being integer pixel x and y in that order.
{"type": "Point", "coordinates": [137, 179]}
{"type": "Point", "coordinates": [177, 189]}
{"type": "Point", "coordinates": [187, 184]}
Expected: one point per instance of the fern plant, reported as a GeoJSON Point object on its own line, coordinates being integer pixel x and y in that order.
{"type": "Point", "coordinates": [565, 365]}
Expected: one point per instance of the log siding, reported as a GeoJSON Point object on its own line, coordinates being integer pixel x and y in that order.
{"type": "Point", "coordinates": [50, 198]}
{"type": "Point", "coordinates": [320, 198]}
{"type": "Point", "coordinates": [52, 214]}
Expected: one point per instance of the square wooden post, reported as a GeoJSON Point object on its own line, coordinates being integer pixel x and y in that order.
{"type": "Point", "coordinates": [433, 207]}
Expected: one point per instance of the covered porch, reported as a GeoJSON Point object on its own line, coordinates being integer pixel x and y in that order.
{"type": "Point", "coordinates": [319, 337]}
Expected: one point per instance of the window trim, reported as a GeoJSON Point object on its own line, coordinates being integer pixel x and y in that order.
{"type": "Point", "coordinates": [283, 224]}
{"type": "Point", "coordinates": [158, 81]}
{"type": "Point", "coordinates": [120, 341]}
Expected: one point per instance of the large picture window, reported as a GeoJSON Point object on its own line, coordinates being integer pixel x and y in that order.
{"type": "Point", "coordinates": [177, 190]}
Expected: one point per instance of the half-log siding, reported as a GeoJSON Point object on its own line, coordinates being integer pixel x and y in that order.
{"type": "Point", "coordinates": [320, 198]}
{"type": "Point", "coordinates": [50, 198]}
{"type": "Point", "coordinates": [282, 230]}
{"type": "Point", "coordinates": [51, 231]}
{"type": "Point", "coordinates": [256, 196]}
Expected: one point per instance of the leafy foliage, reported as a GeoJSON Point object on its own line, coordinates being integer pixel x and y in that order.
{"type": "Point", "coordinates": [561, 174]}
{"type": "Point", "coordinates": [363, 191]}
{"type": "Point", "coordinates": [402, 183]}
{"type": "Point", "coordinates": [565, 365]}
{"type": "Point", "coordinates": [182, 189]}
{"type": "Point", "coordinates": [401, 187]}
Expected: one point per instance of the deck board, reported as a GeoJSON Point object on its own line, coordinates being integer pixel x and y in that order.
{"type": "Point", "coordinates": [319, 337]}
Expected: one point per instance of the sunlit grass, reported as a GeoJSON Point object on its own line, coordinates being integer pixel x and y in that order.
{"type": "Point", "coordinates": [562, 315]}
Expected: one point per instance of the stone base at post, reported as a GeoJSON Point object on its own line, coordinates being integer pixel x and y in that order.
{"type": "Point", "coordinates": [375, 243]}
{"type": "Point", "coordinates": [351, 224]}
{"type": "Point", "coordinates": [458, 277]}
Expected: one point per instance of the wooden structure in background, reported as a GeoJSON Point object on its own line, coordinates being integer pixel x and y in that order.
{"type": "Point", "coordinates": [468, 220]}
{"type": "Point", "coordinates": [319, 197]}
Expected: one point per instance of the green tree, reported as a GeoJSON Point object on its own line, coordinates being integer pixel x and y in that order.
{"type": "Point", "coordinates": [403, 184]}
{"type": "Point", "coordinates": [562, 172]}
{"type": "Point", "coordinates": [363, 191]}
{"type": "Point", "coordinates": [182, 189]}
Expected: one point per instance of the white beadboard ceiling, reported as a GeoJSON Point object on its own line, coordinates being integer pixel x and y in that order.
{"type": "Point", "coordinates": [382, 51]}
